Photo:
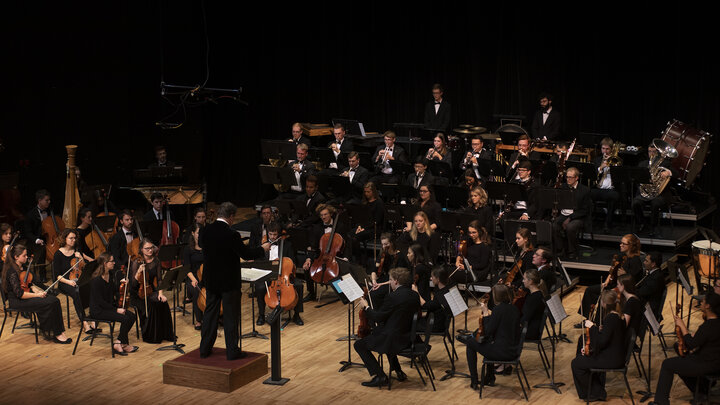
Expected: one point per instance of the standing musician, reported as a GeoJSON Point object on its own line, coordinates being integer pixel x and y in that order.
{"type": "Point", "coordinates": [340, 147]}
{"type": "Point", "coordinates": [438, 305]}
{"type": "Point", "coordinates": [84, 228]}
{"type": "Point", "coordinates": [222, 248]}
{"type": "Point", "coordinates": [419, 267]}
{"type": "Point", "coordinates": [156, 323]}
{"type": "Point", "coordinates": [479, 207]}
{"type": "Point", "coordinates": [704, 347]}
{"type": "Point", "coordinates": [394, 319]}
{"type": "Point", "coordinates": [32, 231]}
{"type": "Point", "coordinates": [327, 218]}
{"type": "Point", "coordinates": [193, 257]}
{"type": "Point", "coordinates": [297, 135]}
{"type": "Point", "coordinates": [501, 334]}
{"type": "Point", "coordinates": [651, 286]}
{"type": "Point", "coordinates": [357, 175]}
{"type": "Point", "coordinates": [525, 210]}
{"type": "Point", "coordinates": [524, 152]}
{"type": "Point", "coordinates": [199, 219]}
{"type": "Point", "coordinates": [382, 157]}
{"type": "Point", "coordinates": [380, 271]}
{"type": "Point", "coordinates": [605, 190]}
{"type": "Point", "coordinates": [607, 349]}
{"type": "Point", "coordinates": [546, 122]}
{"type": "Point", "coordinates": [631, 264]}
{"type": "Point", "coordinates": [479, 255]}
{"type": "Point", "coordinates": [102, 304]}
{"type": "Point", "coordinates": [437, 111]}
{"type": "Point", "coordinates": [542, 260]}
{"type": "Point", "coordinates": [274, 254]}
{"type": "Point", "coordinates": [471, 158]}
{"type": "Point", "coordinates": [117, 245]}
{"type": "Point", "coordinates": [61, 263]}
{"type": "Point", "coordinates": [301, 168]}
{"type": "Point", "coordinates": [420, 177]}
{"type": "Point", "coordinates": [569, 221]}
{"type": "Point", "coordinates": [632, 306]}
{"type": "Point", "coordinates": [158, 204]}
{"type": "Point", "coordinates": [47, 307]}
{"type": "Point", "coordinates": [428, 205]}
{"type": "Point", "coordinates": [421, 232]}
{"type": "Point", "coordinates": [657, 203]}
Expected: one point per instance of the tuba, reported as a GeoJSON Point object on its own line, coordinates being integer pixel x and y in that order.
{"type": "Point", "coordinates": [658, 183]}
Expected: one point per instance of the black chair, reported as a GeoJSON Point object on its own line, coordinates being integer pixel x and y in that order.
{"type": "Point", "coordinates": [111, 325]}
{"type": "Point", "coordinates": [515, 362]}
{"type": "Point", "coordinates": [417, 352]}
{"type": "Point", "coordinates": [540, 347]}
{"type": "Point", "coordinates": [8, 310]}
{"type": "Point", "coordinates": [630, 342]}
{"type": "Point", "coordinates": [445, 333]}
{"type": "Point", "coordinates": [711, 378]}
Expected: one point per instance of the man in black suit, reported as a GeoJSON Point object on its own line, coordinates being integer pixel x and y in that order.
{"type": "Point", "coordinates": [260, 229]}
{"type": "Point", "coordinates": [301, 168]}
{"type": "Point", "coordinates": [382, 157]}
{"type": "Point", "coordinates": [118, 242]}
{"type": "Point", "coordinates": [312, 198]}
{"type": "Point", "coordinates": [657, 203]}
{"type": "Point", "coordinates": [542, 259]}
{"type": "Point", "coordinates": [420, 177]}
{"type": "Point", "coordinates": [650, 288]}
{"type": "Point", "coordinates": [297, 135]}
{"type": "Point", "coordinates": [523, 153]}
{"type": "Point", "coordinates": [546, 122]}
{"type": "Point", "coordinates": [222, 249]}
{"type": "Point", "coordinates": [569, 221]}
{"type": "Point", "coordinates": [161, 158]}
{"type": "Point", "coordinates": [340, 148]}
{"type": "Point", "coordinates": [525, 210]}
{"type": "Point", "coordinates": [32, 230]}
{"type": "Point", "coordinates": [392, 334]}
{"type": "Point", "coordinates": [357, 175]}
{"type": "Point", "coordinates": [326, 212]}
{"type": "Point", "coordinates": [437, 112]}
{"type": "Point", "coordinates": [476, 153]}
{"type": "Point", "coordinates": [157, 213]}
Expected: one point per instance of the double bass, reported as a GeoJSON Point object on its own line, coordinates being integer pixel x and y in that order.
{"type": "Point", "coordinates": [52, 226]}
{"type": "Point", "coordinates": [281, 291]}
{"type": "Point", "coordinates": [106, 213]}
{"type": "Point", "coordinates": [170, 235]}
{"type": "Point", "coordinates": [325, 267]}
{"type": "Point", "coordinates": [202, 296]}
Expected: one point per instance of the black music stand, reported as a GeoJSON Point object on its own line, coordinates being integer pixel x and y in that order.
{"type": "Point", "coordinates": [387, 190]}
{"type": "Point", "coordinates": [630, 175]}
{"type": "Point", "coordinates": [556, 198]}
{"type": "Point", "coordinates": [489, 168]}
{"type": "Point", "coordinates": [545, 170]}
{"type": "Point", "coordinates": [590, 138]}
{"type": "Point", "coordinates": [554, 338]}
{"type": "Point", "coordinates": [172, 279]}
{"type": "Point", "coordinates": [506, 191]}
{"type": "Point", "coordinates": [275, 149]}
{"type": "Point", "coordinates": [360, 214]}
{"type": "Point", "coordinates": [277, 175]}
{"type": "Point", "coordinates": [324, 155]}
{"type": "Point", "coordinates": [451, 197]}
{"type": "Point", "coordinates": [352, 127]}
{"type": "Point", "coordinates": [406, 193]}
{"type": "Point", "coordinates": [393, 215]}
{"type": "Point", "coordinates": [300, 208]}
{"type": "Point", "coordinates": [453, 221]}
{"type": "Point", "coordinates": [340, 186]}
{"type": "Point", "coordinates": [439, 168]}
{"type": "Point", "coordinates": [401, 168]}
{"type": "Point", "coordinates": [359, 274]}
{"type": "Point", "coordinates": [588, 171]}
{"type": "Point", "coordinates": [413, 128]}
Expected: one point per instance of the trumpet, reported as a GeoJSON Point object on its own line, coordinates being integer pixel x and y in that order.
{"type": "Point", "coordinates": [384, 155]}
{"type": "Point", "coordinates": [430, 154]}
{"type": "Point", "coordinates": [334, 147]}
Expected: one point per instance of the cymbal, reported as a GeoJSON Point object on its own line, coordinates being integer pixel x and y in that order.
{"type": "Point", "coordinates": [466, 131]}
{"type": "Point", "coordinates": [489, 136]}
{"type": "Point", "coordinates": [466, 125]}
{"type": "Point", "coordinates": [481, 129]}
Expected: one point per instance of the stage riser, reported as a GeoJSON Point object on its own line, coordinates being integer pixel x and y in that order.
{"type": "Point", "coordinates": [222, 378]}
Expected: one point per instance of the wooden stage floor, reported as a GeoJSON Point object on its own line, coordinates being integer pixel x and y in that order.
{"type": "Point", "coordinates": [47, 373]}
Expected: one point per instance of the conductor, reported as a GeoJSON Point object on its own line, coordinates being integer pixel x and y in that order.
{"type": "Point", "coordinates": [223, 249]}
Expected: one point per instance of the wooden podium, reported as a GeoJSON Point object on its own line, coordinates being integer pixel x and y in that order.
{"type": "Point", "coordinates": [214, 373]}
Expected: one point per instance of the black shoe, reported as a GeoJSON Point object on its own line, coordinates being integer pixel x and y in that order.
{"type": "Point", "coordinates": [309, 297]}
{"type": "Point", "coordinates": [474, 385]}
{"type": "Point", "coordinates": [60, 342]}
{"type": "Point", "coordinates": [597, 399]}
{"type": "Point", "coordinates": [400, 375]}
{"type": "Point", "coordinates": [93, 330]}
{"type": "Point", "coordinates": [134, 349]}
{"type": "Point", "coordinates": [122, 353]}
{"type": "Point", "coordinates": [578, 325]}
{"type": "Point", "coordinates": [260, 321]}
{"type": "Point", "coordinates": [376, 381]}
{"type": "Point", "coordinates": [198, 327]}
{"type": "Point", "coordinates": [298, 321]}
{"type": "Point", "coordinates": [507, 370]}
{"type": "Point", "coordinates": [463, 338]}
{"type": "Point", "coordinates": [489, 381]}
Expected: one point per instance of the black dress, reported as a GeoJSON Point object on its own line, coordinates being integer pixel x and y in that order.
{"type": "Point", "coordinates": [532, 313]}
{"type": "Point", "coordinates": [81, 244]}
{"type": "Point", "coordinates": [635, 309]}
{"type": "Point", "coordinates": [102, 307]}
{"type": "Point", "coordinates": [193, 258]}
{"type": "Point", "coordinates": [479, 257]}
{"type": "Point", "coordinates": [48, 309]}
{"type": "Point", "coordinates": [157, 323]}
{"type": "Point", "coordinates": [633, 266]}
{"type": "Point", "coordinates": [79, 294]}
{"type": "Point", "coordinates": [501, 338]}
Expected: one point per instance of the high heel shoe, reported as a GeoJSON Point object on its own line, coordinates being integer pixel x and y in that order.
{"type": "Point", "coordinates": [119, 353]}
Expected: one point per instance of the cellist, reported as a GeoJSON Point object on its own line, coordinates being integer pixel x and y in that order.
{"type": "Point", "coordinates": [274, 229]}
{"type": "Point", "coordinates": [32, 231]}
{"type": "Point", "coordinates": [327, 215]}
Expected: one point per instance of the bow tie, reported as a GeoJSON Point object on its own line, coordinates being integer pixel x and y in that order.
{"type": "Point", "coordinates": [352, 170]}
{"type": "Point", "coordinates": [546, 112]}
{"type": "Point", "coordinates": [437, 102]}
{"type": "Point", "coordinates": [327, 226]}
{"type": "Point", "coordinates": [128, 233]}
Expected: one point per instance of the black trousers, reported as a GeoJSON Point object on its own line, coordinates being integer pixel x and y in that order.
{"type": "Point", "coordinates": [569, 243]}
{"type": "Point", "coordinates": [611, 198]}
{"type": "Point", "coordinates": [370, 361]}
{"type": "Point", "coordinates": [231, 301]}
{"type": "Point", "coordinates": [126, 320]}
{"type": "Point", "coordinates": [74, 293]}
{"type": "Point", "coordinates": [48, 309]}
{"type": "Point", "coordinates": [689, 368]}
{"type": "Point", "coordinates": [657, 204]}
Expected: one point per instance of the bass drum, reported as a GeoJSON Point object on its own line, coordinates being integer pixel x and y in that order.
{"type": "Point", "coordinates": [692, 145]}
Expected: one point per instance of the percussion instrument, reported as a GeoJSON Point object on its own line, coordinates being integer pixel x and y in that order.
{"type": "Point", "coordinates": [692, 145]}
{"type": "Point", "coordinates": [706, 255]}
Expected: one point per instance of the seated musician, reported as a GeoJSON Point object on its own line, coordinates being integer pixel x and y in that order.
{"type": "Point", "coordinates": [534, 305]}
{"type": "Point", "coordinates": [84, 228]}
{"type": "Point", "coordinates": [118, 243]}
{"type": "Point", "coordinates": [161, 159]}
{"type": "Point", "coordinates": [312, 199]}
{"type": "Point", "coordinates": [380, 271]}
{"type": "Point", "coordinates": [421, 232]}
{"type": "Point", "coordinates": [259, 231]}
{"type": "Point", "coordinates": [420, 177]}
{"type": "Point", "coordinates": [157, 213]}
{"type": "Point", "coordinates": [340, 148]}
{"type": "Point", "coordinates": [604, 190]}
{"type": "Point", "coordinates": [297, 135]}
{"type": "Point", "coordinates": [33, 233]}
{"type": "Point", "coordinates": [630, 264]}
{"type": "Point", "coordinates": [607, 349]}
{"type": "Point", "coordinates": [47, 307]}
{"type": "Point", "coordinates": [419, 266]}
{"type": "Point", "coordinates": [500, 334]}
{"type": "Point", "coordinates": [326, 212]}
{"type": "Point", "coordinates": [62, 262]}
{"type": "Point", "coordinates": [469, 180]}
{"type": "Point", "coordinates": [542, 260]}
{"type": "Point", "coordinates": [704, 353]}
{"type": "Point", "coordinates": [99, 202]}
{"type": "Point", "coordinates": [523, 153]}
{"type": "Point", "coordinates": [438, 305]}
{"type": "Point", "coordinates": [103, 306]}
{"type": "Point", "coordinates": [156, 322]}
{"type": "Point", "coordinates": [357, 175]}
{"type": "Point", "coordinates": [651, 285]}
{"type": "Point", "coordinates": [524, 210]}
{"type": "Point", "coordinates": [567, 225]}
{"type": "Point", "coordinates": [371, 230]}
{"type": "Point", "coordinates": [471, 158]}
{"type": "Point", "coordinates": [382, 157]}
{"type": "Point", "coordinates": [428, 205]}
{"type": "Point", "coordinates": [394, 319]}
{"type": "Point", "coordinates": [479, 207]}
{"type": "Point", "coordinates": [633, 307]}
{"type": "Point", "coordinates": [523, 257]}
{"type": "Point", "coordinates": [199, 219]}
{"type": "Point", "coordinates": [440, 153]}
{"type": "Point", "coordinates": [6, 237]}
{"type": "Point", "coordinates": [273, 254]}
{"type": "Point", "coordinates": [657, 203]}
{"type": "Point", "coordinates": [193, 256]}
{"type": "Point", "coordinates": [479, 256]}
{"type": "Point", "coordinates": [301, 168]}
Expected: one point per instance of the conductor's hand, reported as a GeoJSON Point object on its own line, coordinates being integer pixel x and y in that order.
{"type": "Point", "coordinates": [266, 246]}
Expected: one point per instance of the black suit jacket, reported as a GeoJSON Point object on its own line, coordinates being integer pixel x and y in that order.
{"type": "Point", "coordinates": [361, 176]}
{"type": "Point", "coordinates": [303, 139]}
{"type": "Point", "coordinates": [395, 321]}
{"type": "Point", "coordinates": [439, 121]}
{"type": "Point", "coordinates": [551, 128]}
{"type": "Point", "coordinates": [150, 215]}
{"type": "Point", "coordinates": [583, 202]}
{"type": "Point", "coordinates": [502, 332]}
{"type": "Point", "coordinates": [315, 200]}
{"type": "Point", "coordinates": [32, 226]}
{"type": "Point", "coordinates": [307, 169]}
{"type": "Point", "coordinates": [650, 289]}
{"type": "Point", "coordinates": [398, 154]}
{"type": "Point", "coordinates": [222, 250]}
{"type": "Point", "coordinates": [345, 148]}
{"type": "Point", "coordinates": [118, 246]}
{"type": "Point", "coordinates": [427, 180]}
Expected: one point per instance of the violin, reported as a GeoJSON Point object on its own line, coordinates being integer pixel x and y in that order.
{"type": "Point", "coordinates": [682, 349]}
{"type": "Point", "coordinates": [123, 289]}
{"type": "Point", "coordinates": [283, 292]}
{"type": "Point", "coordinates": [480, 332]}
{"type": "Point", "coordinates": [26, 277]}
{"type": "Point", "coordinates": [170, 236]}
{"type": "Point", "coordinates": [325, 268]}
{"type": "Point", "coordinates": [77, 266]}
{"type": "Point", "coordinates": [513, 272]}
{"type": "Point", "coordinates": [146, 287]}
{"type": "Point", "coordinates": [133, 248]}
{"type": "Point", "coordinates": [52, 226]}
{"type": "Point", "coordinates": [586, 333]}
{"type": "Point", "coordinates": [202, 297]}
{"type": "Point", "coordinates": [614, 267]}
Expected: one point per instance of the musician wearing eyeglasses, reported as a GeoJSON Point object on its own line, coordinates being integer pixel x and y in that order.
{"type": "Point", "coordinates": [297, 135]}
{"type": "Point", "coordinates": [356, 175]}
{"type": "Point", "coordinates": [421, 177]}
{"type": "Point", "coordinates": [523, 153]}
{"type": "Point", "coordinates": [477, 152]}
{"type": "Point", "coordinates": [569, 221]}
{"type": "Point", "coordinates": [658, 197]}
{"type": "Point", "coordinates": [301, 168]}
{"type": "Point", "coordinates": [604, 189]}
{"type": "Point", "coordinates": [437, 111]}
{"type": "Point", "coordinates": [382, 157]}
{"type": "Point", "coordinates": [340, 148]}
{"type": "Point", "coordinates": [525, 210]}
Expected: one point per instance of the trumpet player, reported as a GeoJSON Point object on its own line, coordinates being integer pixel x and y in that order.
{"type": "Point", "coordinates": [604, 189]}
{"type": "Point", "coordinates": [382, 157]}
{"type": "Point", "coordinates": [301, 168]}
{"type": "Point", "coordinates": [476, 152]}
{"type": "Point", "coordinates": [340, 147]}
{"type": "Point", "coordinates": [421, 177]}
{"type": "Point", "coordinates": [357, 175]}
{"type": "Point", "coordinates": [658, 202]}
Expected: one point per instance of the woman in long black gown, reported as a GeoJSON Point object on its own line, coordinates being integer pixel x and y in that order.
{"type": "Point", "coordinates": [478, 255]}
{"type": "Point", "coordinates": [156, 322]}
{"type": "Point", "coordinates": [193, 257]}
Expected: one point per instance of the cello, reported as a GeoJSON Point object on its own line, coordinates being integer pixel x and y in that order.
{"type": "Point", "coordinates": [202, 296]}
{"type": "Point", "coordinates": [325, 267]}
{"type": "Point", "coordinates": [51, 228]}
{"type": "Point", "coordinates": [96, 240]}
{"type": "Point", "coordinates": [284, 294]}
{"type": "Point", "coordinates": [171, 233]}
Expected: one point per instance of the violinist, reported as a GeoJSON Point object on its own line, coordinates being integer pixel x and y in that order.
{"type": "Point", "coordinates": [524, 254]}
{"type": "Point", "coordinates": [297, 135]}
{"type": "Point", "coordinates": [567, 225]}
{"type": "Point", "coordinates": [525, 210]}
{"type": "Point", "coordinates": [340, 147]}
{"type": "Point", "coordinates": [63, 260]}
{"type": "Point", "coordinates": [156, 322]}
{"type": "Point", "coordinates": [479, 256]}
{"type": "Point", "coordinates": [47, 307]}
{"type": "Point", "coordinates": [326, 212]}
{"type": "Point", "coordinates": [419, 267]}
{"type": "Point", "coordinates": [501, 334]}
{"type": "Point", "coordinates": [632, 306]}
{"type": "Point", "coordinates": [84, 228]}
{"type": "Point", "coordinates": [607, 349]}
{"type": "Point", "coordinates": [704, 347]}
{"type": "Point", "coordinates": [651, 286]}
{"type": "Point", "coordinates": [199, 219]}
{"type": "Point", "coordinates": [478, 206]}
{"type": "Point", "coordinates": [438, 305]}
{"type": "Point", "coordinates": [32, 231]}
{"type": "Point", "coordinates": [605, 190]}
{"type": "Point", "coordinates": [394, 318]}
{"type": "Point", "coordinates": [422, 233]}
{"type": "Point", "coordinates": [274, 254]}
{"type": "Point", "coordinates": [420, 177]}
{"type": "Point", "coordinates": [369, 231]}
{"type": "Point", "coordinates": [158, 204]}
{"type": "Point", "coordinates": [380, 273]}
{"type": "Point", "coordinates": [193, 257]}
{"type": "Point", "coordinates": [428, 205]}
{"type": "Point", "coordinates": [470, 163]}
{"type": "Point", "coordinates": [102, 304]}
{"type": "Point", "coordinates": [5, 239]}
{"type": "Point", "coordinates": [117, 245]}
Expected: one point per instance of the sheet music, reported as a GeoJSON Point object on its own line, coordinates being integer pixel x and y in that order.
{"type": "Point", "coordinates": [350, 288]}
{"type": "Point", "coordinates": [455, 301]}
{"type": "Point", "coordinates": [652, 321]}
{"type": "Point", "coordinates": [253, 274]}
{"type": "Point", "coordinates": [686, 286]}
{"type": "Point", "coordinates": [557, 311]}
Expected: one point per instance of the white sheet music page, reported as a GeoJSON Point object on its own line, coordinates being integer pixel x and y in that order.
{"type": "Point", "coordinates": [350, 288]}
{"type": "Point", "coordinates": [556, 308]}
{"type": "Point", "coordinates": [455, 301]}
{"type": "Point", "coordinates": [253, 274]}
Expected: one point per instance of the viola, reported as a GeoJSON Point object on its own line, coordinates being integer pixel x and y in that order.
{"type": "Point", "coordinates": [146, 287]}
{"type": "Point", "coordinates": [325, 267]}
{"type": "Point", "coordinates": [26, 277]}
{"type": "Point", "coordinates": [281, 292]}
{"type": "Point", "coordinates": [586, 332]}
{"type": "Point", "coordinates": [614, 267]}
{"type": "Point", "coordinates": [682, 349]}
{"type": "Point", "coordinates": [52, 226]}
{"type": "Point", "coordinates": [77, 266]}
{"type": "Point", "coordinates": [202, 297]}
{"type": "Point", "coordinates": [513, 272]}
{"type": "Point", "coordinates": [480, 332]}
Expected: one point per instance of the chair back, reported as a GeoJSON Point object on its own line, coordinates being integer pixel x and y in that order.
{"type": "Point", "coordinates": [629, 345]}
{"type": "Point", "coordinates": [521, 343]}
{"type": "Point", "coordinates": [413, 331]}
{"type": "Point", "coordinates": [429, 327]}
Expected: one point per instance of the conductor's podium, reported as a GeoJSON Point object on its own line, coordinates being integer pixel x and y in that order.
{"type": "Point", "coordinates": [214, 373]}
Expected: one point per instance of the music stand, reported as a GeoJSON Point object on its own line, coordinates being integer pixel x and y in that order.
{"type": "Point", "coordinates": [439, 168]}
{"type": "Point", "coordinates": [544, 169]}
{"type": "Point", "coordinates": [587, 170]}
{"type": "Point", "coordinates": [506, 191]}
{"type": "Point", "coordinates": [275, 149]}
{"type": "Point", "coordinates": [388, 192]}
{"type": "Point", "coordinates": [360, 214]}
{"type": "Point", "coordinates": [263, 265]}
{"type": "Point", "coordinates": [352, 127]}
{"type": "Point", "coordinates": [172, 279]}
{"type": "Point", "coordinates": [357, 273]}
{"type": "Point", "coordinates": [452, 221]}
{"type": "Point", "coordinates": [277, 175]}
{"type": "Point", "coordinates": [559, 198]}
{"type": "Point", "coordinates": [339, 185]}
{"type": "Point", "coordinates": [405, 192]}
{"type": "Point", "coordinates": [324, 155]}
{"type": "Point", "coordinates": [300, 208]}
{"type": "Point", "coordinates": [401, 168]}
{"type": "Point", "coordinates": [451, 197]}
{"type": "Point", "coordinates": [590, 138]}
{"type": "Point", "coordinates": [393, 215]}
{"type": "Point", "coordinates": [488, 168]}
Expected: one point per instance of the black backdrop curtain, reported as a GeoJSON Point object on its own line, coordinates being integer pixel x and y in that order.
{"type": "Point", "coordinates": [92, 76]}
